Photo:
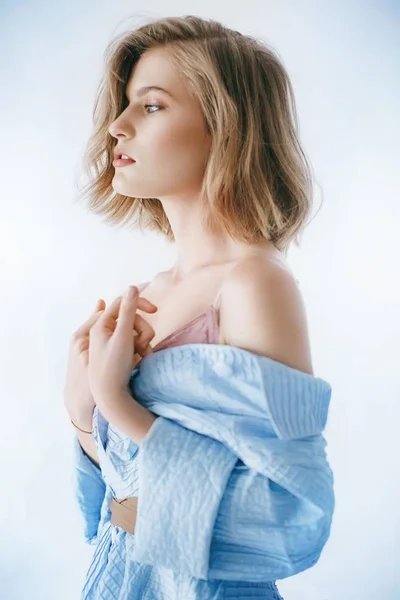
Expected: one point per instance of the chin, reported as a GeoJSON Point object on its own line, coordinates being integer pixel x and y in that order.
{"type": "Point", "coordinates": [124, 190]}
{"type": "Point", "coordinates": [122, 186]}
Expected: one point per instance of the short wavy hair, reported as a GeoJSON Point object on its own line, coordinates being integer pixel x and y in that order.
{"type": "Point", "coordinates": [257, 183]}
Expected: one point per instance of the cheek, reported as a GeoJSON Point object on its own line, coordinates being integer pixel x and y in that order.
{"type": "Point", "coordinates": [183, 139]}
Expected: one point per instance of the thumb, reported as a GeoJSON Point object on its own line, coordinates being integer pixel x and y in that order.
{"type": "Point", "coordinates": [127, 310]}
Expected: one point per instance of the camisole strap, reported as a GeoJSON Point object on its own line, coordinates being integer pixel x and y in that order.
{"type": "Point", "coordinates": [217, 300]}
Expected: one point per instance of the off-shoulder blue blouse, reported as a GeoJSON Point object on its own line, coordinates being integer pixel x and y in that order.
{"type": "Point", "coordinates": [235, 489]}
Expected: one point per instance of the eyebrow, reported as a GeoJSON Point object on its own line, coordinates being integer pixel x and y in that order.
{"type": "Point", "coordinates": [143, 90]}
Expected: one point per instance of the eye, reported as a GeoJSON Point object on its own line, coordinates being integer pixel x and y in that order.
{"type": "Point", "coordinates": [153, 106]}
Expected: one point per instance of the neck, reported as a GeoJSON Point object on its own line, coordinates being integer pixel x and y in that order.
{"type": "Point", "coordinates": [196, 248]}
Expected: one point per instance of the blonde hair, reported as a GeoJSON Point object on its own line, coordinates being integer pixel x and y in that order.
{"type": "Point", "coordinates": [257, 183]}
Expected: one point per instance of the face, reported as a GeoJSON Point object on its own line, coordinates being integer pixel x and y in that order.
{"type": "Point", "coordinates": [163, 131]}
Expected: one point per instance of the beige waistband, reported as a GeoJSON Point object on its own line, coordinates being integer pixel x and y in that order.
{"type": "Point", "coordinates": [123, 513]}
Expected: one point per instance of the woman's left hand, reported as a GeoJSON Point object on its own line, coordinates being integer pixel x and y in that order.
{"type": "Point", "coordinates": [112, 345]}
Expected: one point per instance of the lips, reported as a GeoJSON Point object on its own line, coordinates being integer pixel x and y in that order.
{"type": "Point", "coordinates": [118, 152]}
{"type": "Point", "coordinates": [123, 162]}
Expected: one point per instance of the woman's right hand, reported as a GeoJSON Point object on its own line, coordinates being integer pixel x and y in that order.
{"type": "Point", "coordinates": [78, 398]}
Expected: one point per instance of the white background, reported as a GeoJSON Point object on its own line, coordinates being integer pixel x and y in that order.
{"type": "Point", "coordinates": [57, 259]}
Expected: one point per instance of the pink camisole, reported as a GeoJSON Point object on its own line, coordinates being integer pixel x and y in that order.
{"type": "Point", "coordinates": [203, 329]}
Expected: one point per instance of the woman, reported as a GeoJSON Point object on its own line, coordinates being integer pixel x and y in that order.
{"type": "Point", "coordinates": [195, 132]}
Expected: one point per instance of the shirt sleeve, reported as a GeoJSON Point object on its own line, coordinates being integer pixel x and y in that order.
{"type": "Point", "coordinates": [199, 514]}
{"type": "Point", "coordinates": [203, 512]}
{"type": "Point", "coordinates": [90, 492]}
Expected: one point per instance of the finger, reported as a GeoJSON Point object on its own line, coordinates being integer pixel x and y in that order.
{"type": "Point", "coordinates": [148, 350]}
{"type": "Point", "coordinates": [122, 317]}
{"type": "Point", "coordinates": [114, 309]}
{"type": "Point", "coordinates": [123, 310]}
{"type": "Point", "coordinates": [100, 305]}
{"type": "Point", "coordinates": [84, 329]}
{"type": "Point", "coordinates": [145, 333]}
{"type": "Point", "coordinates": [146, 306]}
{"type": "Point", "coordinates": [142, 304]}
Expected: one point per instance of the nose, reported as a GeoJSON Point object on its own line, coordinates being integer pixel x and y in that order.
{"type": "Point", "coordinates": [115, 130]}
{"type": "Point", "coordinates": [119, 127]}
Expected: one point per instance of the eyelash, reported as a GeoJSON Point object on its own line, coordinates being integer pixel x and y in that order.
{"type": "Point", "coordinates": [153, 105]}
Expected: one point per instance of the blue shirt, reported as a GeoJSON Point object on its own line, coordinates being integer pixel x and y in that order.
{"type": "Point", "coordinates": [235, 490]}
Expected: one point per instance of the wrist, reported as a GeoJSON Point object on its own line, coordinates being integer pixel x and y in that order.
{"type": "Point", "coordinates": [79, 429]}
{"type": "Point", "coordinates": [83, 420]}
{"type": "Point", "coordinates": [107, 401]}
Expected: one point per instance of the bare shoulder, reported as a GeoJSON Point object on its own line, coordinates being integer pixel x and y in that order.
{"type": "Point", "coordinates": [262, 311]}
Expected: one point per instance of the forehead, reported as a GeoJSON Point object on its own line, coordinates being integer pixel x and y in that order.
{"type": "Point", "coordinates": [155, 68]}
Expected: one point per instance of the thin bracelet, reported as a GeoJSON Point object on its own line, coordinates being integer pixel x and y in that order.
{"type": "Point", "coordinates": [83, 431]}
